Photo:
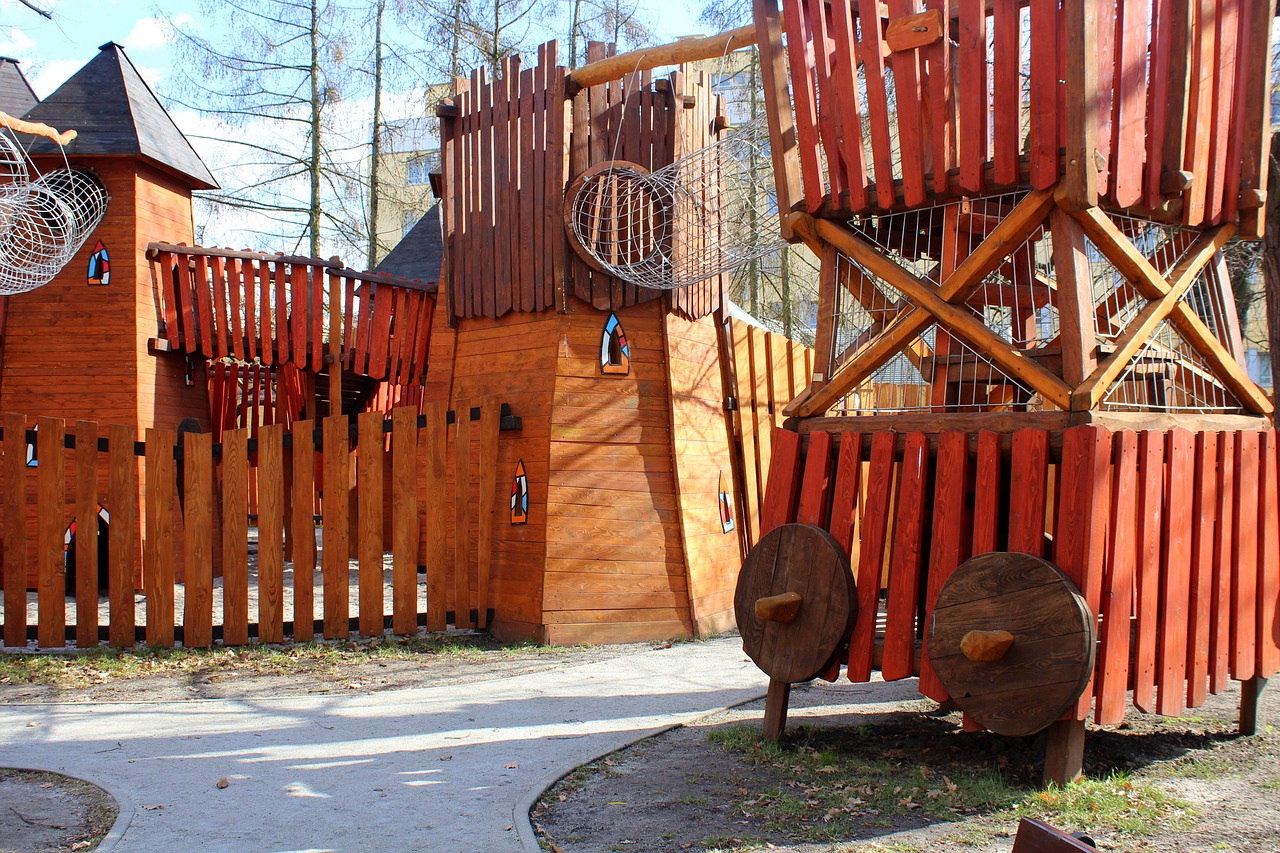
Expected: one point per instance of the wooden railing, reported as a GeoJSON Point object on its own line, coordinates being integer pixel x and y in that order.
{"type": "Point", "coordinates": [192, 560]}
{"type": "Point", "coordinates": [943, 98]}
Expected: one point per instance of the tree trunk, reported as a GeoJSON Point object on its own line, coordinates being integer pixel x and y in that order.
{"type": "Point", "coordinates": [575, 22]}
{"type": "Point", "coordinates": [313, 168]}
{"type": "Point", "coordinates": [375, 149]}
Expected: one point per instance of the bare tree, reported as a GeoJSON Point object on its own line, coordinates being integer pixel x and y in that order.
{"type": "Point", "coordinates": [617, 22]}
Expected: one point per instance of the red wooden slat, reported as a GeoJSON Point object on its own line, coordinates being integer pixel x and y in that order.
{"type": "Point", "coordinates": [1151, 514]}
{"type": "Point", "coordinates": [1117, 592]}
{"type": "Point", "coordinates": [1224, 550]}
{"type": "Point", "coordinates": [1044, 93]}
{"type": "Point", "coordinates": [1269, 562]}
{"type": "Point", "coordinates": [844, 496]}
{"type": "Point", "coordinates": [871, 48]}
{"type": "Point", "coordinates": [784, 481]}
{"type": "Point", "coordinates": [972, 101]}
{"type": "Point", "coordinates": [1175, 580]}
{"type": "Point", "coordinates": [848, 100]}
{"type": "Point", "coordinates": [280, 274]}
{"type": "Point", "coordinates": [13, 504]}
{"type": "Point", "coordinates": [1204, 520]}
{"type": "Point", "coordinates": [204, 305]}
{"type": "Point", "coordinates": [1028, 491]}
{"type": "Point", "coordinates": [316, 317]}
{"type": "Point", "coordinates": [907, 81]}
{"type": "Point", "coordinates": [875, 524]}
{"type": "Point", "coordinates": [1105, 54]}
{"type": "Point", "coordinates": [51, 524]}
{"type": "Point", "coordinates": [426, 315]}
{"type": "Point", "coordinates": [401, 326]}
{"type": "Point", "coordinates": [251, 310]}
{"type": "Point", "coordinates": [221, 322]}
{"type": "Point", "coordinates": [1006, 91]}
{"type": "Point", "coordinates": [822, 44]}
{"type": "Point", "coordinates": [265, 315]}
{"type": "Point", "coordinates": [986, 494]}
{"type": "Point", "coordinates": [188, 312]}
{"type": "Point", "coordinates": [1244, 574]}
{"type": "Point", "coordinates": [904, 563]}
{"type": "Point", "coordinates": [380, 330]}
{"type": "Point", "coordinates": [348, 318]}
{"type": "Point", "coordinates": [1079, 543]}
{"type": "Point", "coordinates": [1129, 130]}
{"type": "Point", "coordinates": [298, 302]}
{"type": "Point", "coordinates": [1200, 92]}
{"type": "Point", "coordinates": [1158, 99]}
{"type": "Point", "coordinates": [947, 546]}
{"type": "Point", "coordinates": [172, 331]}
{"type": "Point", "coordinates": [942, 115]}
{"type": "Point", "coordinates": [1223, 100]}
{"type": "Point", "coordinates": [815, 487]}
{"type": "Point", "coordinates": [500, 175]}
{"type": "Point", "coordinates": [234, 267]}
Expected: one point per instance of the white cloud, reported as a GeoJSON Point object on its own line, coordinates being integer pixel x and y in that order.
{"type": "Point", "coordinates": [45, 77]}
{"type": "Point", "coordinates": [16, 43]}
{"type": "Point", "coordinates": [153, 33]}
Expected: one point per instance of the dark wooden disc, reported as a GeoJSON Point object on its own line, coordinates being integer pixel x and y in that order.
{"type": "Point", "coordinates": [808, 561]}
{"type": "Point", "coordinates": [1051, 660]}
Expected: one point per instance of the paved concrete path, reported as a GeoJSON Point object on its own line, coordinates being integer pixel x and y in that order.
{"type": "Point", "coordinates": [448, 769]}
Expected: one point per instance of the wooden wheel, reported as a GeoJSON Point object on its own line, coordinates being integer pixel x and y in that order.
{"type": "Point", "coordinates": [795, 602]}
{"type": "Point", "coordinates": [1012, 640]}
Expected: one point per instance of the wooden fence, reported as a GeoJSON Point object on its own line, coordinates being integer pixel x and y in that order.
{"type": "Point", "coordinates": [383, 485]}
{"type": "Point", "coordinates": [1180, 91]}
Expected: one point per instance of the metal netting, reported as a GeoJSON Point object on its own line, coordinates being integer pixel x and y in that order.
{"type": "Point", "coordinates": [43, 220]}
{"type": "Point", "coordinates": [684, 223]}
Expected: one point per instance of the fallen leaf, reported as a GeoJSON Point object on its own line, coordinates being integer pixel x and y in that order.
{"type": "Point", "coordinates": [222, 783]}
{"type": "Point", "coordinates": [513, 766]}
{"type": "Point", "coordinates": [827, 768]}
{"type": "Point", "coordinates": [153, 807]}
{"type": "Point", "coordinates": [446, 758]}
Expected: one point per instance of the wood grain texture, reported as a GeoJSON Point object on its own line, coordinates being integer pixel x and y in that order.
{"type": "Point", "coordinates": [948, 545]}
{"type": "Point", "coordinates": [1175, 579]}
{"type": "Point", "coordinates": [1028, 491]}
{"type": "Point", "coordinates": [1151, 511]}
{"type": "Point", "coordinates": [905, 561]}
{"type": "Point", "coordinates": [1204, 521]}
{"type": "Point", "coordinates": [369, 496]}
{"type": "Point", "coordinates": [1112, 684]}
{"type": "Point", "coordinates": [303, 500]}
{"type": "Point", "coordinates": [86, 509]}
{"type": "Point", "coordinates": [197, 539]}
{"type": "Point", "coordinates": [404, 521]}
{"type": "Point", "coordinates": [15, 533]}
{"type": "Point", "coordinates": [336, 520]}
{"type": "Point", "coordinates": [1268, 587]}
{"type": "Point", "coordinates": [875, 527]}
{"type": "Point", "coordinates": [487, 485]}
{"type": "Point", "coordinates": [462, 517]}
{"type": "Point", "coordinates": [1244, 574]}
{"type": "Point", "coordinates": [1224, 547]}
{"type": "Point", "coordinates": [271, 534]}
{"type": "Point", "coordinates": [51, 525]}
{"type": "Point", "coordinates": [235, 537]}
{"type": "Point", "coordinates": [122, 500]}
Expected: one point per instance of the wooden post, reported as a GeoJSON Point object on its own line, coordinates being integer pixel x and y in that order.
{"type": "Point", "coordinates": [824, 335]}
{"type": "Point", "coordinates": [335, 344]}
{"type": "Point", "coordinates": [1075, 300]}
{"type": "Point", "coordinates": [775, 709]}
{"type": "Point", "coordinates": [50, 527]}
{"type": "Point", "coordinates": [1064, 753]}
{"type": "Point", "coordinates": [87, 567]}
{"type": "Point", "coordinates": [1080, 25]}
{"type": "Point", "coordinates": [13, 498]}
{"type": "Point", "coordinates": [1250, 698]}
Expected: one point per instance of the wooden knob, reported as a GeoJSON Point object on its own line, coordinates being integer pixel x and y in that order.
{"type": "Point", "coordinates": [986, 646]}
{"type": "Point", "coordinates": [782, 607]}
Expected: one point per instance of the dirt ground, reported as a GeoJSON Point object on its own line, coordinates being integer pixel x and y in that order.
{"type": "Point", "coordinates": [682, 791]}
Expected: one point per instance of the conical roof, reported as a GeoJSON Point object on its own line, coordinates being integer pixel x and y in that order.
{"type": "Point", "coordinates": [114, 111]}
{"type": "Point", "coordinates": [16, 94]}
{"type": "Point", "coordinates": [420, 253]}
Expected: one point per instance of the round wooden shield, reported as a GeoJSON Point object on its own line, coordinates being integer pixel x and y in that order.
{"type": "Point", "coordinates": [796, 558]}
{"type": "Point", "coordinates": [1050, 661]}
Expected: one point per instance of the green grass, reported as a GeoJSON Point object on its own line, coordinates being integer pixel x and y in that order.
{"type": "Point", "coordinates": [1117, 802]}
{"type": "Point", "coordinates": [1272, 784]}
{"type": "Point", "coordinates": [80, 668]}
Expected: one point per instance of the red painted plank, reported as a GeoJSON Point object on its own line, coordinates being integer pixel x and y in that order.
{"type": "Point", "coordinates": [822, 66]}
{"type": "Point", "coordinates": [167, 273]}
{"type": "Point", "coordinates": [814, 489]}
{"type": "Point", "coordinates": [1204, 521]}
{"type": "Point", "coordinates": [1244, 574]}
{"type": "Point", "coordinates": [1224, 91]}
{"type": "Point", "coordinates": [13, 502]}
{"type": "Point", "coordinates": [381, 330]}
{"type": "Point", "coordinates": [251, 285]}
{"type": "Point", "coordinates": [1044, 93]}
{"type": "Point", "coordinates": [1006, 91]}
{"type": "Point", "coordinates": [784, 481]}
{"type": "Point", "coordinates": [872, 49]}
{"type": "Point", "coordinates": [1224, 551]}
{"type": "Point", "coordinates": [1129, 130]}
{"type": "Point", "coordinates": [1175, 575]}
{"type": "Point", "coordinates": [875, 525]}
{"type": "Point", "coordinates": [280, 273]}
{"type": "Point", "coordinates": [1105, 54]}
{"type": "Point", "coordinates": [298, 280]}
{"type": "Point", "coordinates": [236, 327]}
{"type": "Point", "coordinates": [904, 563]}
{"type": "Point", "coordinates": [800, 54]}
{"type": "Point", "coordinates": [1028, 491]}
{"type": "Point", "coordinates": [1151, 513]}
{"type": "Point", "coordinates": [973, 108]}
{"type": "Point", "coordinates": [941, 101]}
{"type": "Point", "coordinates": [1203, 59]}
{"type": "Point", "coordinates": [844, 496]}
{"type": "Point", "coordinates": [1117, 592]}
{"type": "Point", "coordinates": [986, 494]}
{"type": "Point", "coordinates": [1158, 101]}
{"type": "Point", "coordinates": [947, 543]}
{"type": "Point", "coordinates": [1079, 543]}
{"type": "Point", "coordinates": [204, 306]}
{"type": "Point", "coordinates": [316, 316]}
{"type": "Point", "coordinates": [221, 323]}
{"type": "Point", "coordinates": [1269, 562]}
{"type": "Point", "coordinates": [849, 103]}
{"type": "Point", "coordinates": [907, 80]}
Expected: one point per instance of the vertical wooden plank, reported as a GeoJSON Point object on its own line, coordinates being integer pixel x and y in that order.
{"type": "Point", "coordinates": [304, 529]}
{"type": "Point", "coordinates": [1044, 93]}
{"type": "Point", "coordinates": [947, 543]}
{"type": "Point", "coordinates": [872, 49]}
{"type": "Point", "coordinates": [336, 510]}
{"type": "Point", "coordinates": [844, 495]}
{"type": "Point", "coordinates": [488, 486]}
{"type": "Point", "coordinates": [1079, 544]}
{"type": "Point", "coordinates": [875, 526]}
{"type": "Point", "coordinates": [1204, 520]}
{"type": "Point", "coordinates": [557, 148]}
{"type": "Point", "coordinates": [972, 100]}
{"type": "Point", "coordinates": [1151, 479]}
{"type": "Point", "coordinates": [848, 112]}
{"type": "Point", "coordinates": [235, 537]}
{"type": "Point", "coordinates": [1075, 301]}
{"type": "Point", "coordinates": [1028, 491]}
{"type": "Point", "coordinates": [157, 548]}
{"type": "Point", "coordinates": [462, 530]}
{"type": "Point", "coordinates": [1200, 93]}
{"type": "Point", "coordinates": [529, 236]}
{"type": "Point", "coordinates": [1006, 95]}
{"type": "Point", "coordinates": [197, 539]}
{"type": "Point", "coordinates": [1117, 594]}
{"type": "Point", "coordinates": [404, 520]}
{"type": "Point", "coordinates": [237, 329]}
{"type": "Point", "coordinates": [299, 281]}
{"type": "Point", "coordinates": [204, 305]}
{"type": "Point", "coordinates": [941, 102]}
{"type": "Point", "coordinates": [502, 188]}
{"type": "Point", "coordinates": [1268, 654]}
{"type": "Point", "coordinates": [783, 487]}
{"type": "Point", "coordinates": [87, 534]}
{"type": "Point", "coordinates": [904, 563]}
{"type": "Point", "coordinates": [1104, 20]}
{"type": "Point", "coordinates": [249, 270]}
{"type": "Point", "coordinates": [122, 498]}
{"type": "Point", "coordinates": [1129, 131]}
{"type": "Point", "coordinates": [369, 526]}
{"type": "Point", "coordinates": [1222, 101]}
{"type": "Point", "coordinates": [1224, 552]}
{"type": "Point", "coordinates": [51, 524]}
{"type": "Point", "coordinates": [1175, 576]}
{"type": "Point", "coordinates": [271, 534]}
{"type": "Point", "coordinates": [221, 326]}
{"type": "Point", "coordinates": [169, 296]}
{"type": "Point", "coordinates": [1244, 573]}
{"type": "Point", "coordinates": [986, 494]}
{"type": "Point", "coordinates": [1252, 113]}
{"type": "Point", "coordinates": [486, 209]}
{"type": "Point", "coordinates": [822, 67]}
{"type": "Point", "coordinates": [380, 330]}
{"type": "Point", "coordinates": [773, 74]}
{"type": "Point", "coordinates": [432, 450]}
{"type": "Point", "coordinates": [266, 335]}
{"type": "Point", "coordinates": [815, 484]}
{"type": "Point", "coordinates": [14, 504]}
{"type": "Point", "coordinates": [1175, 24]}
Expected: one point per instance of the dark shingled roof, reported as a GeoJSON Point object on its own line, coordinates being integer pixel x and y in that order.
{"type": "Point", "coordinates": [114, 111]}
{"type": "Point", "coordinates": [420, 253]}
{"type": "Point", "coordinates": [16, 95]}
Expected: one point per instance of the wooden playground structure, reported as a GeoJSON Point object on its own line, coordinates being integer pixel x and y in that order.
{"type": "Point", "coordinates": [1021, 211]}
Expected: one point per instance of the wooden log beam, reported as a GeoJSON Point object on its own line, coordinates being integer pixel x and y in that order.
{"type": "Point", "coordinates": [684, 50]}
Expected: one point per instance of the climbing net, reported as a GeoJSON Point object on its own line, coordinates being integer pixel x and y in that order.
{"type": "Point", "coordinates": [44, 218]}
{"type": "Point", "coordinates": [709, 212]}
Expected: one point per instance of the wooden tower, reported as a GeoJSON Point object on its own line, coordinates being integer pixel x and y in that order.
{"type": "Point", "coordinates": [1027, 351]}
